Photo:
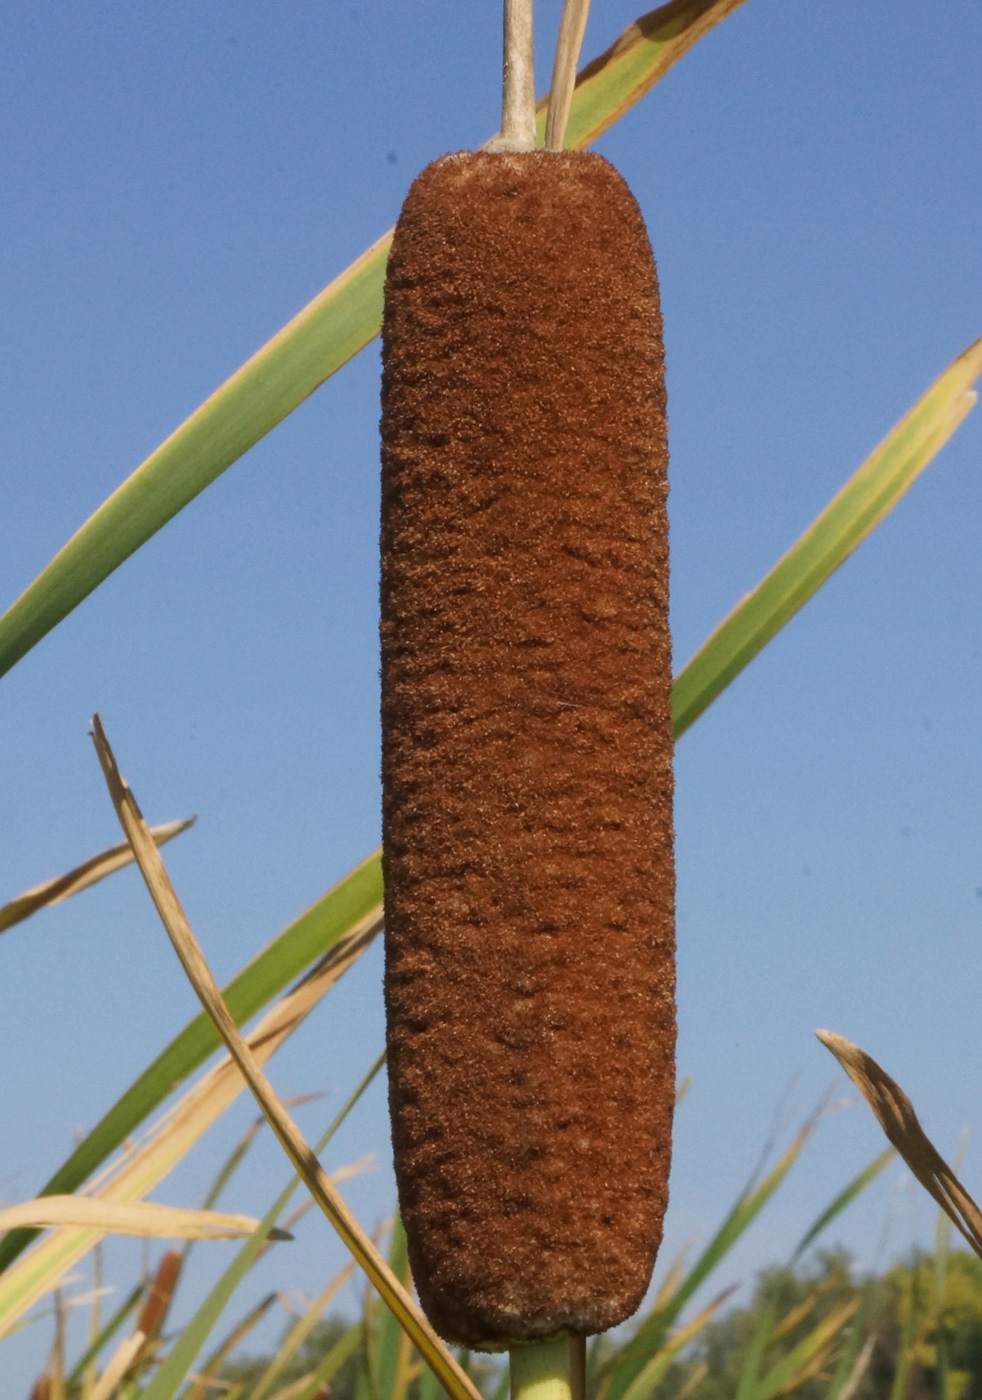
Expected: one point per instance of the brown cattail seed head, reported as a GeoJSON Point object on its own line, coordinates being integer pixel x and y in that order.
{"type": "Point", "coordinates": [527, 745]}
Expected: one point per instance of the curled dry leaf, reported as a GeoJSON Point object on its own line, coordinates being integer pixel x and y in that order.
{"type": "Point", "coordinates": [895, 1114]}
{"type": "Point", "coordinates": [90, 872]}
{"type": "Point", "coordinates": [141, 1218]}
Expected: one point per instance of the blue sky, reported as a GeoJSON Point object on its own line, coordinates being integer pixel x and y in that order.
{"type": "Point", "coordinates": [178, 181]}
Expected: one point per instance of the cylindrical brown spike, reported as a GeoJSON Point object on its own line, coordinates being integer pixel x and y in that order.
{"type": "Point", "coordinates": [527, 745]}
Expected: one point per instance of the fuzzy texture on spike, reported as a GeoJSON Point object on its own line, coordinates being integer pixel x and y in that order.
{"type": "Point", "coordinates": [527, 744]}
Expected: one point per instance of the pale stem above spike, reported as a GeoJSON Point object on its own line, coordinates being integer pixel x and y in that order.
{"type": "Point", "coordinates": [572, 27]}
{"type": "Point", "coordinates": [518, 80]}
{"type": "Point", "coordinates": [540, 1370]}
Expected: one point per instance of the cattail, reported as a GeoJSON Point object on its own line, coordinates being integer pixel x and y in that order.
{"type": "Point", "coordinates": [527, 743]}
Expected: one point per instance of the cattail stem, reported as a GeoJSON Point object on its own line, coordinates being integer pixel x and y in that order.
{"type": "Point", "coordinates": [518, 80]}
{"type": "Point", "coordinates": [577, 1367]}
{"type": "Point", "coordinates": [540, 1370]}
{"type": "Point", "coordinates": [572, 27]}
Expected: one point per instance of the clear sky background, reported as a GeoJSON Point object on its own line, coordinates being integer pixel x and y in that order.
{"type": "Point", "coordinates": [178, 180]}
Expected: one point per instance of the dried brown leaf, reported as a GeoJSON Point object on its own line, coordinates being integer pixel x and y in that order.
{"type": "Point", "coordinates": [145, 1163]}
{"type": "Point", "coordinates": [572, 27]}
{"type": "Point", "coordinates": [141, 1218]}
{"type": "Point", "coordinates": [90, 872]}
{"type": "Point", "coordinates": [204, 1380]}
{"type": "Point", "coordinates": [298, 1333]}
{"type": "Point", "coordinates": [120, 1362]}
{"type": "Point", "coordinates": [895, 1114]}
{"type": "Point", "coordinates": [445, 1366]}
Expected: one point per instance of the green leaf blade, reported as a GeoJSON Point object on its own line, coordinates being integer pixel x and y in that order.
{"type": "Point", "coordinates": [388, 1331]}
{"type": "Point", "coordinates": [309, 349]}
{"type": "Point", "coordinates": [622, 1370]}
{"type": "Point", "coordinates": [619, 77]}
{"type": "Point", "coordinates": [869, 495]}
{"type": "Point", "coordinates": [844, 1198]}
{"type": "Point", "coordinates": [308, 937]}
{"type": "Point", "coordinates": [328, 332]}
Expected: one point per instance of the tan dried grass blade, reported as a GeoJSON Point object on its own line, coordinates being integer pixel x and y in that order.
{"type": "Point", "coordinates": [122, 1359]}
{"type": "Point", "coordinates": [798, 1314]}
{"type": "Point", "coordinates": [55, 1370]}
{"type": "Point", "coordinates": [673, 1277]}
{"type": "Point", "coordinates": [90, 872]}
{"type": "Point", "coordinates": [895, 1114]}
{"type": "Point", "coordinates": [572, 27]}
{"type": "Point", "coordinates": [447, 1370]}
{"type": "Point", "coordinates": [167, 1142]}
{"type": "Point", "coordinates": [655, 1369]}
{"type": "Point", "coordinates": [298, 1333]}
{"type": "Point", "coordinates": [203, 1381]}
{"type": "Point", "coordinates": [616, 79]}
{"type": "Point", "coordinates": [144, 1219]}
{"type": "Point", "coordinates": [301, 1387]}
{"type": "Point", "coordinates": [858, 1371]}
{"type": "Point", "coordinates": [809, 1356]}
{"type": "Point", "coordinates": [153, 1314]}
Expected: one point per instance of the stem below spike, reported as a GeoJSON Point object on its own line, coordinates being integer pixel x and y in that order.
{"type": "Point", "coordinates": [540, 1370]}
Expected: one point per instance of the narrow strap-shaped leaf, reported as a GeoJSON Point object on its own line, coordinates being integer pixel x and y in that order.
{"type": "Point", "coordinates": [343, 1348]}
{"type": "Point", "coordinates": [783, 1373]}
{"type": "Point", "coordinates": [90, 872]}
{"type": "Point", "coordinates": [104, 1336]}
{"type": "Point", "coordinates": [199, 1388]}
{"type": "Point", "coordinates": [180, 1358]}
{"type": "Point", "coordinates": [297, 1335]}
{"type": "Point", "coordinates": [194, 1335]}
{"type": "Point", "coordinates": [145, 1163]}
{"type": "Point", "coordinates": [626, 1364]}
{"type": "Point", "coordinates": [905, 1352]}
{"type": "Point", "coordinates": [350, 902]}
{"type": "Point", "coordinates": [753, 1357]}
{"type": "Point", "coordinates": [848, 518]}
{"type": "Point", "coordinates": [191, 957]}
{"type": "Point", "coordinates": [654, 1370]}
{"type": "Point", "coordinates": [852, 1366]}
{"type": "Point", "coordinates": [338, 323]}
{"type": "Point", "coordinates": [852, 1361]}
{"type": "Point", "coordinates": [615, 80]}
{"type": "Point", "coordinates": [142, 1218]}
{"type": "Point", "coordinates": [845, 1197]}
{"type": "Point", "coordinates": [388, 1333]}
{"type": "Point", "coordinates": [895, 1114]}
{"type": "Point", "coordinates": [800, 1311]}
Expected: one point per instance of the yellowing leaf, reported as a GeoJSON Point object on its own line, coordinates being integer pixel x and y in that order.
{"type": "Point", "coordinates": [142, 1218]}
{"type": "Point", "coordinates": [339, 322]}
{"type": "Point", "coordinates": [88, 873]}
